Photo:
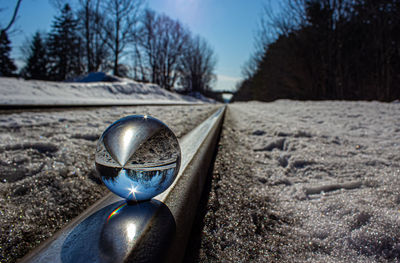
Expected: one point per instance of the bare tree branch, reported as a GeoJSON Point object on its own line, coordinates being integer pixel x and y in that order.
{"type": "Point", "coordinates": [14, 16]}
{"type": "Point", "coordinates": [120, 27]}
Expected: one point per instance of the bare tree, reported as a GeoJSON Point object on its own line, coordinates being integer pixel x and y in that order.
{"type": "Point", "coordinates": [92, 29]}
{"type": "Point", "coordinates": [147, 46]}
{"type": "Point", "coordinates": [139, 68]}
{"type": "Point", "coordinates": [162, 44]}
{"type": "Point", "coordinates": [13, 17]}
{"type": "Point", "coordinates": [197, 66]}
{"type": "Point", "coordinates": [172, 45]}
{"type": "Point", "coordinates": [120, 27]}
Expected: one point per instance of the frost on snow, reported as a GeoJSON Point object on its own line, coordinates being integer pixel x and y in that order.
{"type": "Point", "coordinates": [305, 182]}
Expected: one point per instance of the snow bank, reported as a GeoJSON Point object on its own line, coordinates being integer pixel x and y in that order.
{"type": "Point", "coordinates": [87, 90]}
{"type": "Point", "coordinates": [305, 182]}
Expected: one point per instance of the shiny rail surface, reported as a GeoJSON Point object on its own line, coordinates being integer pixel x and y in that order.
{"type": "Point", "coordinates": [154, 231]}
{"type": "Point", "coordinates": [23, 107]}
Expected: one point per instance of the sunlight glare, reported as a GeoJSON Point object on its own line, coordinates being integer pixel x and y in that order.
{"type": "Point", "coordinates": [131, 231]}
{"type": "Point", "coordinates": [128, 136]}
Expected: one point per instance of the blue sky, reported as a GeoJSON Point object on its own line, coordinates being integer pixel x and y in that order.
{"type": "Point", "coordinates": [228, 25]}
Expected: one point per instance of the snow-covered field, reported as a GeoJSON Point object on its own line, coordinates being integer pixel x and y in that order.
{"type": "Point", "coordinates": [305, 182]}
{"type": "Point", "coordinates": [293, 181]}
{"type": "Point", "coordinates": [47, 174]}
{"type": "Point", "coordinates": [122, 91]}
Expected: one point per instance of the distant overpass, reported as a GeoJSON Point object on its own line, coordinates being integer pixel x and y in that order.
{"type": "Point", "coordinates": [221, 95]}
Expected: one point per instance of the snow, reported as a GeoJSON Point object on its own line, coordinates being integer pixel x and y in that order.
{"type": "Point", "coordinates": [305, 182]}
{"type": "Point", "coordinates": [292, 182]}
{"type": "Point", "coordinates": [88, 90]}
{"type": "Point", "coordinates": [47, 174]}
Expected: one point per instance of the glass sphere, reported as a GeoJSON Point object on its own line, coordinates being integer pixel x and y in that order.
{"type": "Point", "coordinates": [138, 157]}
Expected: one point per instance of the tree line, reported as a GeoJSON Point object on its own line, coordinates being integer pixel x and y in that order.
{"type": "Point", "coordinates": [117, 36]}
{"type": "Point", "coordinates": [326, 49]}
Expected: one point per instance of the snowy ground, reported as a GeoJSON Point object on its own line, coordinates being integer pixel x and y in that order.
{"type": "Point", "coordinates": [293, 181]}
{"type": "Point", "coordinates": [123, 91]}
{"type": "Point", "coordinates": [47, 172]}
{"type": "Point", "coordinates": [304, 182]}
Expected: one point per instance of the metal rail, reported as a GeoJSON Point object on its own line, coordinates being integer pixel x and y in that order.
{"type": "Point", "coordinates": [7, 107]}
{"type": "Point", "coordinates": [154, 231]}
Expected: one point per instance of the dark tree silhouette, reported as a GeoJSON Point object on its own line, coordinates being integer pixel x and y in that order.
{"type": "Point", "coordinates": [91, 28]}
{"type": "Point", "coordinates": [146, 48]}
{"type": "Point", "coordinates": [337, 49]}
{"type": "Point", "coordinates": [167, 54]}
{"type": "Point", "coordinates": [37, 61]}
{"type": "Point", "coordinates": [64, 47]}
{"type": "Point", "coordinates": [7, 66]}
{"type": "Point", "coordinates": [172, 39]}
{"type": "Point", "coordinates": [120, 27]}
{"type": "Point", "coordinates": [197, 66]}
{"type": "Point", "coordinates": [162, 44]}
{"type": "Point", "coordinates": [164, 51]}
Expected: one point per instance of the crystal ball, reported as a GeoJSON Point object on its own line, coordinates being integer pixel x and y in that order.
{"type": "Point", "coordinates": [138, 157]}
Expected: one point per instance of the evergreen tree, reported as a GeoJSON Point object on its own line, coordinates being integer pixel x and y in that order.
{"type": "Point", "coordinates": [37, 62]}
{"type": "Point", "coordinates": [335, 49]}
{"type": "Point", "coordinates": [64, 47]}
{"type": "Point", "coordinates": [7, 66]}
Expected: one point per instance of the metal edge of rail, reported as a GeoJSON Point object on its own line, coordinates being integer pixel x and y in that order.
{"type": "Point", "coordinates": [111, 230]}
{"type": "Point", "coordinates": [7, 107]}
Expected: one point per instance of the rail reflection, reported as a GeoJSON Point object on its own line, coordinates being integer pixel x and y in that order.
{"type": "Point", "coordinates": [119, 232]}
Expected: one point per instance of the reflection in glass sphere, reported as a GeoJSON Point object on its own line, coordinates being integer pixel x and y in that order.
{"type": "Point", "coordinates": [138, 157]}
